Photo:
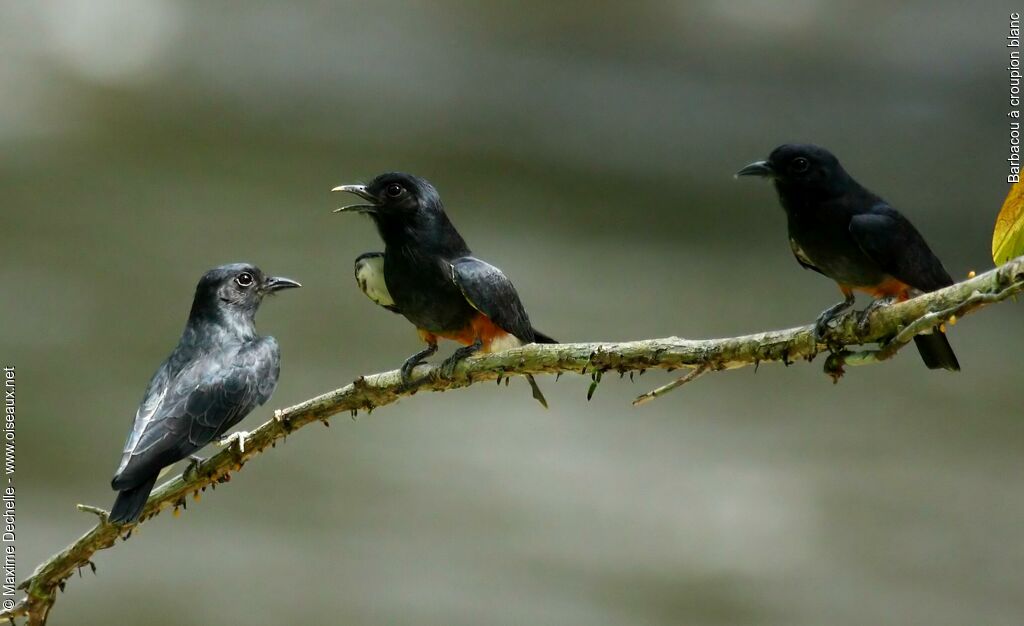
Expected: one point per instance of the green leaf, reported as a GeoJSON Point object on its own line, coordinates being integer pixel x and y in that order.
{"type": "Point", "coordinates": [1008, 237]}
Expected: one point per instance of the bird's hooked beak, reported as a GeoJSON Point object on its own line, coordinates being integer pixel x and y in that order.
{"type": "Point", "coordinates": [763, 169]}
{"type": "Point", "coordinates": [359, 190]}
{"type": "Point", "coordinates": [277, 283]}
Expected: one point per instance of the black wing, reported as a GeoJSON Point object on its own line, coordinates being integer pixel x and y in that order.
{"type": "Point", "coordinates": [891, 241]}
{"type": "Point", "coordinates": [181, 414]}
{"type": "Point", "coordinates": [489, 291]}
{"type": "Point", "coordinates": [369, 272]}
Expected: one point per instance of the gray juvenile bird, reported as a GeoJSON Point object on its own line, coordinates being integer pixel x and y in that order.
{"type": "Point", "coordinates": [219, 372]}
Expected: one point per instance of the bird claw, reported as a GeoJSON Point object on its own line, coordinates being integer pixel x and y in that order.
{"type": "Point", "coordinates": [411, 363]}
{"type": "Point", "coordinates": [864, 317]}
{"type": "Point", "coordinates": [238, 437]}
{"type": "Point", "coordinates": [407, 369]}
{"type": "Point", "coordinates": [821, 327]}
{"type": "Point", "coordinates": [194, 461]}
{"type": "Point", "coordinates": [448, 365]}
{"type": "Point", "coordinates": [821, 324]}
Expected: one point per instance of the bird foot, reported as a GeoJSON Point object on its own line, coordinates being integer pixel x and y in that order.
{"type": "Point", "coordinates": [864, 317]}
{"type": "Point", "coordinates": [194, 461]}
{"type": "Point", "coordinates": [238, 437]}
{"type": "Point", "coordinates": [411, 363]}
{"type": "Point", "coordinates": [448, 365]}
{"type": "Point", "coordinates": [821, 324]}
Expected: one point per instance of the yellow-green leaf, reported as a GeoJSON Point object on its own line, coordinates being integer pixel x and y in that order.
{"type": "Point", "coordinates": [1008, 237]}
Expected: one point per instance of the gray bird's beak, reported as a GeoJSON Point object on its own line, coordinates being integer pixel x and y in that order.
{"type": "Point", "coordinates": [277, 283]}
{"type": "Point", "coordinates": [757, 168]}
{"type": "Point", "coordinates": [359, 190]}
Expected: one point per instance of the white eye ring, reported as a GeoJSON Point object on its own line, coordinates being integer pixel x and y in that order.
{"type": "Point", "coordinates": [244, 280]}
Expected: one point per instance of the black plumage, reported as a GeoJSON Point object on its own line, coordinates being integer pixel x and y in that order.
{"type": "Point", "coordinates": [427, 273]}
{"type": "Point", "coordinates": [220, 370]}
{"type": "Point", "coordinates": [847, 233]}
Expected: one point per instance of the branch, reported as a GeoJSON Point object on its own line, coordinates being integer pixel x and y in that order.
{"type": "Point", "coordinates": [890, 327]}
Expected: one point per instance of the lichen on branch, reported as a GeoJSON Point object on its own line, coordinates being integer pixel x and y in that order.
{"type": "Point", "coordinates": [890, 328]}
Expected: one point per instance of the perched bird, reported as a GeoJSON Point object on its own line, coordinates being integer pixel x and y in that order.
{"type": "Point", "coordinates": [428, 274]}
{"type": "Point", "coordinates": [845, 232]}
{"type": "Point", "coordinates": [219, 372]}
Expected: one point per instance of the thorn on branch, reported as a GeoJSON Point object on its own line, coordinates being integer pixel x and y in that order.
{"type": "Point", "coordinates": [95, 510]}
{"type": "Point", "coordinates": [679, 382]}
{"type": "Point", "coordinates": [1003, 283]}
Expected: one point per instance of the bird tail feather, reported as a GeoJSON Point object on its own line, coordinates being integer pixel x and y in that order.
{"type": "Point", "coordinates": [130, 502]}
{"type": "Point", "coordinates": [936, 351]}
{"type": "Point", "coordinates": [539, 337]}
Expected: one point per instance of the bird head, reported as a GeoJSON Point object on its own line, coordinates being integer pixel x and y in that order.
{"type": "Point", "coordinates": [800, 167]}
{"type": "Point", "coordinates": [393, 195]}
{"type": "Point", "coordinates": [408, 213]}
{"type": "Point", "coordinates": [235, 290]}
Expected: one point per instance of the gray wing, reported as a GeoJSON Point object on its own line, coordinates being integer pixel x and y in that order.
{"type": "Point", "coordinates": [370, 278]}
{"type": "Point", "coordinates": [181, 414]}
{"type": "Point", "coordinates": [489, 291]}
{"type": "Point", "coordinates": [891, 241]}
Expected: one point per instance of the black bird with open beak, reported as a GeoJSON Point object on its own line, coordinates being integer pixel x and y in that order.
{"type": "Point", "coordinates": [219, 372]}
{"type": "Point", "coordinates": [427, 274]}
{"type": "Point", "coordinates": [843, 231]}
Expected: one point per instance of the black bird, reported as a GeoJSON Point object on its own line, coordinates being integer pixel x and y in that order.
{"type": "Point", "coordinates": [427, 274]}
{"type": "Point", "coordinates": [845, 232]}
{"type": "Point", "coordinates": [220, 370]}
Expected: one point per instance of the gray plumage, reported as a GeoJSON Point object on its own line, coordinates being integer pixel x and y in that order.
{"type": "Point", "coordinates": [219, 372]}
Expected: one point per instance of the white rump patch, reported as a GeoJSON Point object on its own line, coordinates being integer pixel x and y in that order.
{"type": "Point", "coordinates": [370, 277]}
{"type": "Point", "coordinates": [506, 342]}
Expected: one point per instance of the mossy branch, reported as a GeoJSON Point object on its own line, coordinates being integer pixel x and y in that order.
{"type": "Point", "coordinates": [890, 327]}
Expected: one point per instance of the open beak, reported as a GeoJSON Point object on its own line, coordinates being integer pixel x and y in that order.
{"type": "Point", "coordinates": [763, 169]}
{"type": "Point", "coordinates": [277, 283]}
{"type": "Point", "coordinates": [359, 190]}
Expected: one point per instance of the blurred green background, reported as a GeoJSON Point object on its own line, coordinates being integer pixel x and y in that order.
{"type": "Point", "coordinates": [588, 150]}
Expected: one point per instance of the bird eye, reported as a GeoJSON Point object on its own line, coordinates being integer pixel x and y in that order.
{"type": "Point", "coordinates": [800, 165]}
{"type": "Point", "coordinates": [244, 279]}
{"type": "Point", "coordinates": [394, 190]}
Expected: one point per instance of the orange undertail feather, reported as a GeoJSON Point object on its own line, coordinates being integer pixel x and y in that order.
{"type": "Point", "coordinates": [491, 335]}
{"type": "Point", "coordinates": [934, 346]}
{"type": "Point", "coordinates": [888, 288]}
{"type": "Point", "coordinates": [493, 338]}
